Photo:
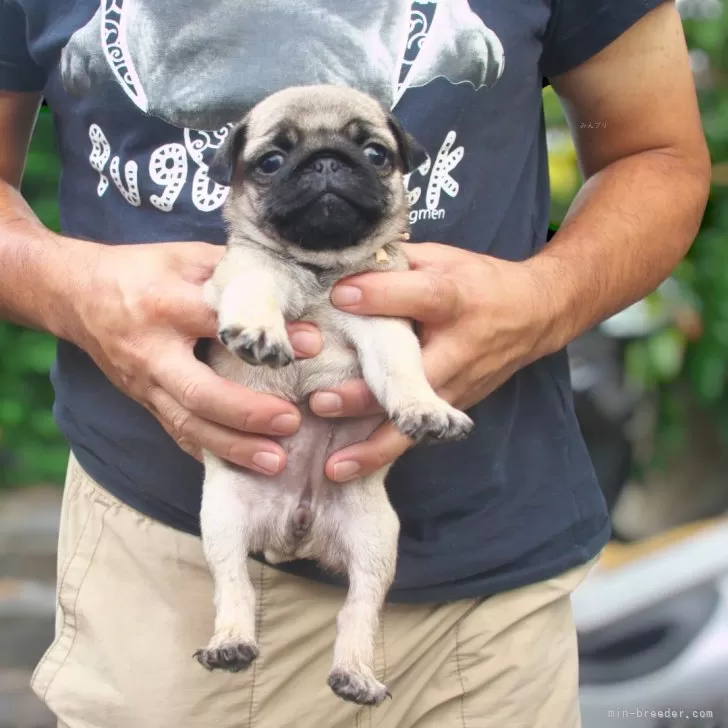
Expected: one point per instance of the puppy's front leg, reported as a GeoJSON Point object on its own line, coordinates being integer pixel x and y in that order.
{"type": "Point", "coordinates": [391, 362]}
{"type": "Point", "coordinates": [226, 532]}
{"type": "Point", "coordinates": [250, 298]}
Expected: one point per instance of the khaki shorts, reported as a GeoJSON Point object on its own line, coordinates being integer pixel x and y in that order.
{"type": "Point", "coordinates": [135, 602]}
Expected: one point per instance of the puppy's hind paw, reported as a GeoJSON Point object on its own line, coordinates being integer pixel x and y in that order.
{"type": "Point", "coordinates": [257, 345]}
{"type": "Point", "coordinates": [439, 423]}
{"type": "Point", "coordinates": [357, 687]}
{"type": "Point", "coordinates": [230, 657]}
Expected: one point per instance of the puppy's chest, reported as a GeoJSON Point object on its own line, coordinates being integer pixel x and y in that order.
{"type": "Point", "coordinates": [336, 363]}
{"type": "Point", "coordinates": [338, 360]}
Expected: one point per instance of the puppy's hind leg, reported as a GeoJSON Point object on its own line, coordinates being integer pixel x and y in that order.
{"type": "Point", "coordinates": [226, 533]}
{"type": "Point", "coordinates": [370, 549]}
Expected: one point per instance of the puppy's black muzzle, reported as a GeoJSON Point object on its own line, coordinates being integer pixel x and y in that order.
{"type": "Point", "coordinates": [329, 167]}
{"type": "Point", "coordinates": [332, 176]}
{"type": "Point", "coordinates": [328, 201]}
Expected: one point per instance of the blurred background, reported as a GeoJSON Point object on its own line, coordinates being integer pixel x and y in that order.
{"type": "Point", "coordinates": [652, 394]}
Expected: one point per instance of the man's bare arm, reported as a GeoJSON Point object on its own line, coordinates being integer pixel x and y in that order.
{"type": "Point", "coordinates": [39, 268]}
{"type": "Point", "coordinates": [18, 112]}
{"type": "Point", "coordinates": [633, 112]}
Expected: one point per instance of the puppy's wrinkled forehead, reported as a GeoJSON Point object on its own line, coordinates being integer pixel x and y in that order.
{"type": "Point", "coordinates": [307, 110]}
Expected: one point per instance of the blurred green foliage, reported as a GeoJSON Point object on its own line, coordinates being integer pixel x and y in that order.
{"type": "Point", "coordinates": [31, 449]}
{"type": "Point", "coordinates": [682, 372]}
{"type": "Point", "coordinates": [705, 271]}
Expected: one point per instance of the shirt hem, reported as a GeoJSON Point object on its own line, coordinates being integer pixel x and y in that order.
{"type": "Point", "coordinates": [479, 586]}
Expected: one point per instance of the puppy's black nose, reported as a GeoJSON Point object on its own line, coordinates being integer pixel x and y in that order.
{"type": "Point", "coordinates": [327, 165]}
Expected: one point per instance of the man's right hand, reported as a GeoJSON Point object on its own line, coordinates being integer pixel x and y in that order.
{"type": "Point", "coordinates": [138, 311]}
{"type": "Point", "coordinates": [141, 313]}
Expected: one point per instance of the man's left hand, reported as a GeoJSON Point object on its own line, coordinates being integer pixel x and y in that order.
{"type": "Point", "coordinates": [479, 319]}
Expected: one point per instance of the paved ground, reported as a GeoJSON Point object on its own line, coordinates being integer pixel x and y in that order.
{"type": "Point", "coordinates": [28, 532]}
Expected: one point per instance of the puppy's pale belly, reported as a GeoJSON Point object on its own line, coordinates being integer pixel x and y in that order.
{"type": "Point", "coordinates": [314, 509]}
{"type": "Point", "coordinates": [300, 512]}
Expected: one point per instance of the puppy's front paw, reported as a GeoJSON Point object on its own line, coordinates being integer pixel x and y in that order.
{"type": "Point", "coordinates": [231, 656]}
{"type": "Point", "coordinates": [437, 421]}
{"type": "Point", "coordinates": [257, 345]}
{"type": "Point", "coordinates": [357, 687]}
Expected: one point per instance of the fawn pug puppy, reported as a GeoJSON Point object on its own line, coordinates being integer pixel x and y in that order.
{"type": "Point", "coordinates": [316, 177]}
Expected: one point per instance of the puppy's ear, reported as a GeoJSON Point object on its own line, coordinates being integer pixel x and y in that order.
{"type": "Point", "coordinates": [411, 152]}
{"type": "Point", "coordinates": [225, 162]}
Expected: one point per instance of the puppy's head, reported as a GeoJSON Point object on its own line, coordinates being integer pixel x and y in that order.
{"type": "Point", "coordinates": [319, 167]}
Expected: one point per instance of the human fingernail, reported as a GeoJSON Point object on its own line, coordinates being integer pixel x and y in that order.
{"type": "Point", "coordinates": [268, 462]}
{"type": "Point", "coordinates": [306, 342]}
{"type": "Point", "coordinates": [285, 424]}
{"type": "Point", "coordinates": [346, 296]}
{"type": "Point", "coordinates": [327, 403]}
{"type": "Point", "coordinates": [346, 470]}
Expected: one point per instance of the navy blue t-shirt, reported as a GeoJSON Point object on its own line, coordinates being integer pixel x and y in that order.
{"type": "Point", "coordinates": [155, 84]}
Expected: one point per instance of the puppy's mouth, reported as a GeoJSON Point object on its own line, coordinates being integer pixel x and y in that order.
{"type": "Point", "coordinates": [328, 203]}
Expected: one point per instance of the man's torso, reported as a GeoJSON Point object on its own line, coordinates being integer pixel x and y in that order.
{"type": "Point", "coordinates": [518, 501]}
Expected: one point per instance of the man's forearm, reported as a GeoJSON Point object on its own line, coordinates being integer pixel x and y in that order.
{"type": "Point", "coordinates": [41, 272]}
{"type": "Point", "coordinates": [625, 232]}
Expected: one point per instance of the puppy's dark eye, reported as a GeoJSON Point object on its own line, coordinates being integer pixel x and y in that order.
{"type": "Point", "coordinates": [376, 154]}
{"type": "Point", "coordinates": [271, 163]}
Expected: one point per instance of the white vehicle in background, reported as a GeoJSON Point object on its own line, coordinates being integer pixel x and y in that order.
{"type": "Point", "coordinates": [652, 620]}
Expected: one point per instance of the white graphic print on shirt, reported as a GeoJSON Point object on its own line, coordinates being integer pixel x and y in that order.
{"type": "Point", "coordinates": [420, 42]}
{"type": "Point", "coordinates": [168, 167]}
{"type": "Point", "coordinates": [439, 181]}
